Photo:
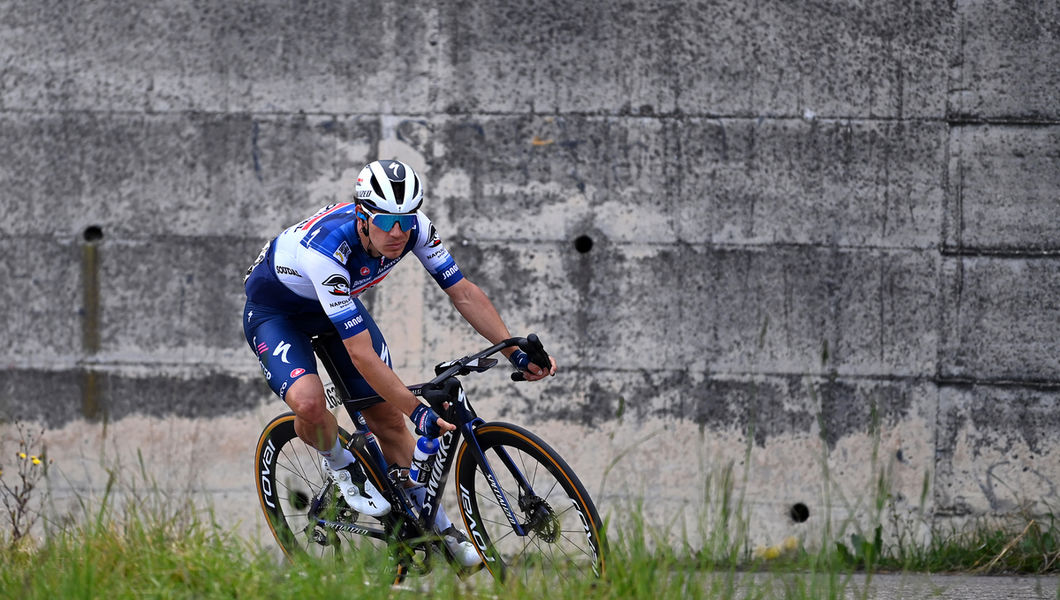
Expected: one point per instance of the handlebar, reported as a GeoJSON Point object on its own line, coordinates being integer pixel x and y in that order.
{"type": "Point", "coordinates": [478, 362]}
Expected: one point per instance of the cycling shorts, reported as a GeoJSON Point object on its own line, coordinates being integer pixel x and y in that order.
{"type": "Point", "coordinates": [282, 342]}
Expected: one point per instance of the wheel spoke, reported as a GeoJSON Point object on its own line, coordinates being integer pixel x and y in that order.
{"type": "Point", "coordinates": [293, 471]}
{"type": "Point", "coordinates": [550, 510]}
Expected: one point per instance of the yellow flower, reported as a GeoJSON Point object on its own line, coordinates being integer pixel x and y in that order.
{"type": "Point", "coordinates": [35, 460]}
{"type": "Point", "coordinates": [22, 455]}
{"type": "Point", "coordinates": [767, 552]}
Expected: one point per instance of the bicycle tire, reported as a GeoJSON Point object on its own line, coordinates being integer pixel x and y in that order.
{"type": "Point", "coordinates": [564, 532]}
{"type": "Point", "coordinates": [289, 475]}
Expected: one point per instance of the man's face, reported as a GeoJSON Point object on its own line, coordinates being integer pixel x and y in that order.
{"type": "Point", "coordinates": [389, 242]}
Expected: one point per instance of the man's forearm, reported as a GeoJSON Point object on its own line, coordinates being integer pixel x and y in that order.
{"type": "Point", "coordinates": [382, 378]}
{"type": "Point", "coordinates": [476, 308]}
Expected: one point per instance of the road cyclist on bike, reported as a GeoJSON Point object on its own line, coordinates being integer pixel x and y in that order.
{"type": "Point", "coordinates": [307, 281]}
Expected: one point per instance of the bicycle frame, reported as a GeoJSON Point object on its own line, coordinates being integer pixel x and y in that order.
{"type": "Point", "coordinates": [458, 411]}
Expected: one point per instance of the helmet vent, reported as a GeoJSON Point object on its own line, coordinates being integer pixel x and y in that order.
{"type": "Point", "coordinates": [399, 191]}
{"type": "Point", "coordinates": [378, 190]}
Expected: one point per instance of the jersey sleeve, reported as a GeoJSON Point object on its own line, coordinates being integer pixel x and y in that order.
{"type": "Point", "coordinates": [331, 281]}
{"type": "Point", "coordinates": [433, 254]}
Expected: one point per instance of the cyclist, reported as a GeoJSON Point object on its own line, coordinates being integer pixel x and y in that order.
{"type": "Point", "coordinates": [307, 281]}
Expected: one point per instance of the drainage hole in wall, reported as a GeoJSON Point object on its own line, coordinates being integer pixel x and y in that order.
{"type": "Point", "coordinates": [583, 243]}
{"type": "Point", "coordinates": [93, 233]}
{"type": "Point", "coordinates": [799, 512]}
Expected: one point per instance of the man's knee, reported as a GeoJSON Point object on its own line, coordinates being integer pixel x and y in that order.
{"type": "Point", "coordinates": [306, 398]}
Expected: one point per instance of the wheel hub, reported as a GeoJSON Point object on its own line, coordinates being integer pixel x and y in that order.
{"type": "Point", "coordinates": [541, 519]}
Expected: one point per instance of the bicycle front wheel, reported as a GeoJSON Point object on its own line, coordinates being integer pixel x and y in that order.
{"type": "Point", "coordinates": [562, 531]}
{"type": "Point", "coordinates": [291, 488]}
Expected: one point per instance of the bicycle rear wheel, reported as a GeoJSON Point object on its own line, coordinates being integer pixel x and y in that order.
{"type": "Point", "coordinates": [563, 530]}
{"type": "Point", "coordinates": [291, 488]}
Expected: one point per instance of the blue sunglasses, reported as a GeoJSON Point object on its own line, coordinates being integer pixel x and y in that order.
{"type": "Point", "coordinates": [386, 221]}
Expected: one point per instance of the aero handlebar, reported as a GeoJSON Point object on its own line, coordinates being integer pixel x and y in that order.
{"type": "Point", "coordinates": [479, 361]}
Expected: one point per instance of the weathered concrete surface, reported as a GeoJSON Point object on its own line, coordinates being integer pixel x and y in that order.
{"type": "Point", "coordinates": [905, 586]}
{"type": "Point", "coordinates": [823, 237]}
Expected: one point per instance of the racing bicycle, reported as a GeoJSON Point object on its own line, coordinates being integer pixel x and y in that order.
{"type": "Point", "coordinates": [521, 504]}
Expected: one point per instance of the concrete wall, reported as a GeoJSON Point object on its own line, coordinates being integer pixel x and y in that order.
{"type": "Point", "coordinates": [824, 236]}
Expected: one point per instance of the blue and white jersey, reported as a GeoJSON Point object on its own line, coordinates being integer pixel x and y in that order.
{"type": "Point", "coordinates": [319, 264]}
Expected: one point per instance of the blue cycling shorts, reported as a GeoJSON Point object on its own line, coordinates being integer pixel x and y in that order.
{"type": "Point", "coordinates": [282, 343]}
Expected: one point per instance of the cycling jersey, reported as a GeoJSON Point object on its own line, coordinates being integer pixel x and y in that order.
{"type": "Point", "coordinates": [307, 280]}
{"type": "Point", "coordinates": [320, 264]}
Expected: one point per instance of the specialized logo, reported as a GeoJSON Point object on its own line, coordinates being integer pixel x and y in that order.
{"type": "Point", "coordinates": [338, 284]}
{"type": "Point", "coordinates": [281, 351]}
{"type": "Point", "coordinates": [397, 171]}
{"type": "Point", "coordinates": [436, 474]}
{"type": "Point", "coordinates": [351, 528]}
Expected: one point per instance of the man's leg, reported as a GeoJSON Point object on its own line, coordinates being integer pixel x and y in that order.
{"type": "Point", "coordinates": [390, 427]}
{"type": "Point", "coordinates": [313, 422]}
{"type": "Point", "coordinates": [316, 426]}
{"type": "Point", "coordinates": [289, 365]}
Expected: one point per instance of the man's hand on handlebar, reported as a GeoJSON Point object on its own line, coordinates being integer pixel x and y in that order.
{"type": "Point", "coordinates": [428, 422]}
{"type": "Point", "coordinates": [534, 372]}
{"type": "Point", "coordinates": [531, 372]}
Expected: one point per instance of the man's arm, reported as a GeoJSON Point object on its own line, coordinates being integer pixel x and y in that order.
{"type": "Point", "coordinates": [382, 378]}
{"type": "Point", "coordinates": [473, 304]}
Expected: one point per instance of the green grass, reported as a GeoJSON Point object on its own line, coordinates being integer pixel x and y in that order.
{"type": "Point", "coordinates": [152, 545]}
{"type": "Point", "coordinates": [157, 550]}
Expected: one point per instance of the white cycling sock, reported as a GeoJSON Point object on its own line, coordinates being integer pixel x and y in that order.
{"type": "Point", "coordinates": [441, 520]}
{"type": "Point", "coordinates": [338, 457]}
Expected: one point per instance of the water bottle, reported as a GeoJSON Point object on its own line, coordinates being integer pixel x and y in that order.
{"type": "Point", "coordinates": [420, 471]}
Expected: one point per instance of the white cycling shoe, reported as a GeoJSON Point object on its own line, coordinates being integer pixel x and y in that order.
{"type": "Point", "coordinates": [460, 547]}
{"type": "Point", "coordinates": [357, 490]}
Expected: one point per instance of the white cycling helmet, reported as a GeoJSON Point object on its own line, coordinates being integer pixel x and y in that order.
{"type": "Point", "coordinates": [389, 186]}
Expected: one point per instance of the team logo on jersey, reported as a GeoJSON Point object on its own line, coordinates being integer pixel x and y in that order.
{"type": "Point", "coordinates": [433, 240]}
{"type": "Point", "coordinates": [338, 284]}
{"type": "Point", "coordinates": [297, 372]}
{"type": "Point", "coordinates": [365, 271]}
{"type": "Point", "coordinates": [342, 253]}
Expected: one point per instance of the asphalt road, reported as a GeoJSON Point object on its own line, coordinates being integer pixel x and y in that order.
{"type": "Point", "coordinates": [915, 586]}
